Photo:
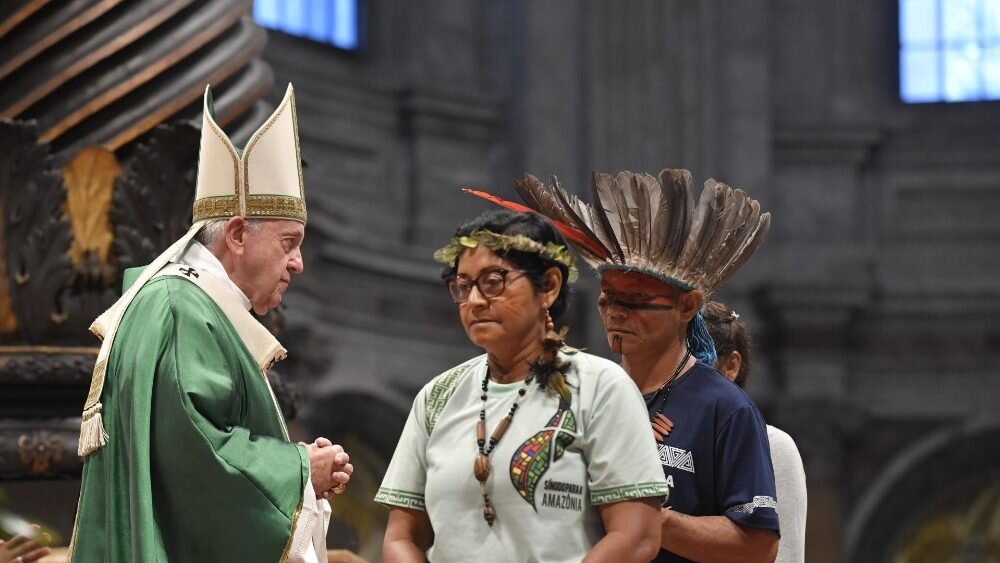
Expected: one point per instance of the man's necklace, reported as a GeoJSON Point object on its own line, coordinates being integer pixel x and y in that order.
{"type": "Point", "coordinates": [669, 380]}
{"type": "Point", "coordinates": [662, 426]}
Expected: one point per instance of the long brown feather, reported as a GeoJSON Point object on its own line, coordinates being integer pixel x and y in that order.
{"type": "Point", "coordinates": [710, 227]}
{"type": "Point", "coordinates": [540, 198]}
{"type": "Point", "coordinates": [535, 196]}
{"type": "Point", "coordinates": [679, 197]}
{"type": "Point", "coordinates": [647, 200]}
{"type": "Point", "coordinates": [577, 212]}
{"type": "Point", "coordinates": [745, 251]}
{"type": "Point", "coordinates": [624, 212]}
{"type": "Point", "coordinates": [751, 224]}
{"type": "Point", "coordinates": [704, 216]}
{"type": "Point", "coordinates": [738, 245]}
{"type": "Point", "coordinates": [729, 236]}
{"type": "Point", "coordinates": [713, 242]}
{"type": "Point", "coordinates": [601, 184]}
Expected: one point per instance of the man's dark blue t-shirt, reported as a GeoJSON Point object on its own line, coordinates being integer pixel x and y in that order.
{"type": "Point", "coordinates": [716, 459]}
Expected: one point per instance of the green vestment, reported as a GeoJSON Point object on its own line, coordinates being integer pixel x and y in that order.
{"type": "Point", "coordinates": [197, 466]}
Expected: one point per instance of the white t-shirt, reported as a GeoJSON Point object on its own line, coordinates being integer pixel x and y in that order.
{"type": "Point", "coordinates": [790, 481]}
{"type": "Point", "coordinates": [550, 469]}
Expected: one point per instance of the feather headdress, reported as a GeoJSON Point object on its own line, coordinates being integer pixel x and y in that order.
{"type": "Point", "coordinates": [655, 226]}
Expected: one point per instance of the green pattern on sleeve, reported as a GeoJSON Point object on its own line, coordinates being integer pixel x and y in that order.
{"type": "Point", "coordinates": [442, 390]}
{"type": "Point", "coordinates": [396, 497]}
{"type": "Point", "coordinates": [628, 492]}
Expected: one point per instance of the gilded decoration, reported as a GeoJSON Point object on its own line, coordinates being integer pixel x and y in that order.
{"type": "Point", "coordinates": [276, 206]}
{"type": "Point", "coordinates": [90, 181]}
{"type": "Point", "coordinates": [257, 206]}
{"type": "Point", "coordinates": [215, 207]}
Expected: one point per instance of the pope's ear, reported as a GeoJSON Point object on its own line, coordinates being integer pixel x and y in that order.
{"type": "Point", "coordinates": [234, 234]}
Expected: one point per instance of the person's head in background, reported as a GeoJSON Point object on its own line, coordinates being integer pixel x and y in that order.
{"type": "Point", "coordinates": [732, 342]}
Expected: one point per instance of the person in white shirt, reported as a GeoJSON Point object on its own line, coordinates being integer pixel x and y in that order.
{"type": "Point", "coordinates": [733, 345]}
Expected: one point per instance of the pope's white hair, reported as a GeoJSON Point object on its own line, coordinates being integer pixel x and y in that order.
{"type": "Point", "coordinates": [212, 232]}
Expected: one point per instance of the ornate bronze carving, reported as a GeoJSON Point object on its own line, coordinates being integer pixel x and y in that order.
{"type": "Point", "coordinates": [40, 451]}
{"type": "Point", "coordinates": [36, 232]}
{"type": "Point", "coordinates": [154, 195]}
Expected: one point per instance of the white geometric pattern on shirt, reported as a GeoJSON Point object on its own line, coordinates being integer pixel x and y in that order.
{"type": "Point", "coordinates": [676, 457]}
{"type": "Point", "coordinates": [758, 502]}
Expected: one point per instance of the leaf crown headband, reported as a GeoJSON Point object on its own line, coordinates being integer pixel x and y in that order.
{"type": "Point", "coordinates": [496, 242]}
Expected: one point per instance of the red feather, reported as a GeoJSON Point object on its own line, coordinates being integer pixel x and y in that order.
{"type": "Point", "coordinates": [513, 206]}
{"type": "Point", "coordinates": [569, 232]}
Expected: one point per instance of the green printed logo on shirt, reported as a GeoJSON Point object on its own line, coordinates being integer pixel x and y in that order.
{"type": "Point", "coordinates": [534, 457]}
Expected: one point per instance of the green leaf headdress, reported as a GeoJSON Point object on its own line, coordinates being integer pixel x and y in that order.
{"type": "Point", "coordinates": [496, 242]}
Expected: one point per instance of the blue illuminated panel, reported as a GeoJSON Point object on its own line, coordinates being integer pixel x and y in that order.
{"type": "Point", "coordinates": [329, 21]}
{"type": "Point", "coordinates": [949, 50]}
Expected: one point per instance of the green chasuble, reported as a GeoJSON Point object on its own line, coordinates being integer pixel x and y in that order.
{"type": "Point", "coordinates": [197, 466]}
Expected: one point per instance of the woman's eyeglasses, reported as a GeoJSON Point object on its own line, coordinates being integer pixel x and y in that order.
{"type": "Point", "coordinates": [490, 283]}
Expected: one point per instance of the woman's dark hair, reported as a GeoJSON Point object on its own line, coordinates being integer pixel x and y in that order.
{"type": "Point", "coordinates": [729, 334]}
{"type": "Point", "coordinates": [533, 226]}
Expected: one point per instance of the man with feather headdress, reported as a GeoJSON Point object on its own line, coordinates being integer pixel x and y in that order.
{"type": "Point", "coordinates": [660, 254]}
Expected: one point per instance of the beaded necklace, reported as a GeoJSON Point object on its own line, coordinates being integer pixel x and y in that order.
{"type": "Point", "coordinates": [483, 465]}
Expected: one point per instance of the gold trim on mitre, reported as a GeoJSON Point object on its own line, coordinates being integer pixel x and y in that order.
{"type": "Point", "coordinates": [262, 181]}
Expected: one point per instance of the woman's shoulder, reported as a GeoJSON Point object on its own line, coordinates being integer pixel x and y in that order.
{"type": "Point", "coordinates": [432, 399]}
{"type": "Point", "coordinates": [589, 366]}
{"type": "Point", "coordinates": [450, 378]}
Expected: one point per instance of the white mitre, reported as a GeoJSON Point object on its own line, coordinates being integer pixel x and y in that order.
{"type": "Point", "coordinates": [262, 181]}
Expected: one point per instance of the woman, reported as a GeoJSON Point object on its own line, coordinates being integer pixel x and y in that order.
{"type": "Point", "coordinates": [533, 451]}
{"type": "Point", "coordinates": [732, 343]}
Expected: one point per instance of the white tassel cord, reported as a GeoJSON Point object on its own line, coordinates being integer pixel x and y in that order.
{"type": "Point", "coordinates": [92, 434]}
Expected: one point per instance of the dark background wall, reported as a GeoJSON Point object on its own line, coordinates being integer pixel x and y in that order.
{"type": "Point", "coordinates": [873, 302]}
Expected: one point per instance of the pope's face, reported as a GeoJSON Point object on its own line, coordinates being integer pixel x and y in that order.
{"type": "Point", "coordinates": [272, 254]}
{"type": "Point", "coordinates": [642, 315]}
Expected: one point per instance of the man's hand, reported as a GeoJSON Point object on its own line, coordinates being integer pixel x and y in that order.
{"type": "Point", "coordinates": [330, 466]}
{"type": "Point", "coordinates": [22, 549]}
